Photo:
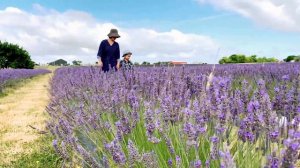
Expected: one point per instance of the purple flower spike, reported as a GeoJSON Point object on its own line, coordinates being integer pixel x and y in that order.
{"type": "Point", "coordinates": [214, 139]}
{"type": "Point", "coordinates": [253, 106]}
{"type": "Point", "coordinates": [226, 160]}
{"type": "Point", "coordinates": [273, 161]}
{"type": "Point", "coordinates": [170, 162]}
{"type": "Point", "coordinates": [116, 151]}
{"type": "Point", "coordinates": [294, 146]}
{"type": "Point", "coordinates": [178, 161]}
{"type": "Point", "coordinates": [274, 136]}
{"type": "Point", "coordinates": [207, 163]}
{"type": "Point", "coordinates": [197, 164]}
{"type": "Point", "coordinates": [150, 160]}
{"type": "Point", "coordinates": [285, 77]}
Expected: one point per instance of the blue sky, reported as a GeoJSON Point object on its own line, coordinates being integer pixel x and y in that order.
{"type": "Point", "coordinates": [229, 25]}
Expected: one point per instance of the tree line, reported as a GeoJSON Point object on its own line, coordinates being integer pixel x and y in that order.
{"type": "Point", "coordinates": [240, 58]}
{"type": "Point", "coordinates": [14, 56]}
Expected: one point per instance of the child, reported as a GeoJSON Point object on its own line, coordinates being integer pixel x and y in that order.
{"type": "Point", "coordinates": [126, 64]}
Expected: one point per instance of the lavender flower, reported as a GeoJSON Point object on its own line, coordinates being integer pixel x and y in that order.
{"type": "Point", "coordinates": [290, 154]}
{"type": "Point", "coordinates": [285, 77]}
{"type": "Point", "coordinates": [170, 162]}
{"type": "Point", "coordinates": [214, 154]}
{"type": "Point", "coordinates": [253, 106]}
{"type": "Point", "coordinates": [214, 139]}
{"type": "Point", "coordinates": [116, 151]}
{"type": "Point", "coordinates": [150, 160]}
{"type": "Point", "coordinates": [88, 157]}
{"type": "Point", "coordinates": [169, 143]}
{"type": "Point", "coordinates": [65, 127]}
{"type": "Point", "coordinates": [178, 161]}
{"type": "Point", "coordinates": [274, 136]}
{"type": "Point", "coordinates": [150, 126]}
{"type": "Point", "coordinates": [207, 163]}
{"type": "Point", "coordinates": [190, 130]}
{"type": "Point", "coordinates": [197, 164]}
{"type": "Point", "coordinates": [105, 162]}
{"type": "Point", "coordinates": [273, 161]}
{"type": "Point", "coordinates": [226, 159]}
{"type": "Point", "coordinates": [123, 126]}
{"type": "Point", "coordinates": [133, 153]}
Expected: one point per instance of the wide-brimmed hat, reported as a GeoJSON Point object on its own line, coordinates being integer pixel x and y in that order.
{"type": "Point", "coordinates": [113, 33]}
{"type": "Point", "coordinates": [126, 52]}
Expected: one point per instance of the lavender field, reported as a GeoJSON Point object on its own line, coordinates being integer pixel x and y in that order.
{"type": "Point", "coordinates": [190, 116]}
{"type": "Point", "coordinates": [9, 75]}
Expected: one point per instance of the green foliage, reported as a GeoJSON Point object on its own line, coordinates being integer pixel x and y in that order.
{"type": "Point", "coordinates": [13, 56]}
{"type": "Point", "coordinates": [224, 60]}
{"type": "Point", "coordinates": [59, 62]}
{"type": "Point", "coordinates": [251, 58]}
{"type": "Point", "coordinates": [264, 59]}
{"type": "Point", "coordinates": [291, 58]}
{"type": "Point", "coordinates": [146, 63]}
{"type": "Point", "coordinates": [162, 63]}
{"type": "Point", "coordinates": [77, 62]}
{"type": "Point", "coordinates": [240, 58]}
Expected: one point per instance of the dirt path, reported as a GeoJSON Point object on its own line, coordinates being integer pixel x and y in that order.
{"type": "Point", "coordinates": [24, 107]}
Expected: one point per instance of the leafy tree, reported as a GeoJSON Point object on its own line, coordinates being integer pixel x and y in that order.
{"type": "Point", "coordinates": [291, 58]}
{"type": "Point", "coordinates": [157, 63]}
{"type": "Point", "coordinates": [76, 62]}
{"type": "Point", "coordinates": [225, 60]}
{"type": "Point", "coordinates": [240, 58]}
{"type": "Point", "coordinates": [136, 63]}
{"type": "Point", "coordinates": [161, 63]}
{"type": "Point", "coordinates": [222, 60]}
{"type": "Point", "coordinates": [237, 58]}
{"type": "Point", "coordinates": [261, 60]}
{"type": "Point", "coordinates": [146, 63]}
{"type": "Point", "coordinates": [13, 56]}
{"type": "Point", "coordinates": [252, 59]}
{"type": "Point", "coordinates": [272, 59]}
{"type": "Point", "coordinates": [59, 62]}
{"type": "Point", "coordinates": [264, 59]}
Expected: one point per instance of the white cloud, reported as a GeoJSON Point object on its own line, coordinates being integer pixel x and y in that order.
{"type": "Point", "coordinates": [277, 14]}
{"type": "Point", "coordinates": [48, 35]}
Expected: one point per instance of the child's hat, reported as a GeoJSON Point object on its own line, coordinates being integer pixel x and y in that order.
{"type": "Point", "coordinates": [126, 52]}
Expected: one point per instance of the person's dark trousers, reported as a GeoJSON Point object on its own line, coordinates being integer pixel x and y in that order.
{"type": "Point", "coordinates": [109, 67]}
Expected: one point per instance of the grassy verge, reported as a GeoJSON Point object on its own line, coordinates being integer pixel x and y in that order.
{"type": "Point", "coordinates": [42, 155]}
{"type": "Point", "coordinates": [11, 85]}
{"type": "Point", "coordinates": [21, 107]}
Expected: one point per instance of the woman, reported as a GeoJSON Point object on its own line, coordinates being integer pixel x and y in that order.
{"type": "Point", "coordinates": [109, 52]}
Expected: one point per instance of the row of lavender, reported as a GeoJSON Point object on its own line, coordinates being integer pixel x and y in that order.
{"type": "Point", "coordinates": [204, 116]}
{"type": "Point", "coordinates": [16, 74]}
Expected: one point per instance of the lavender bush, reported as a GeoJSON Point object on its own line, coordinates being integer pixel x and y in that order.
{"type": "Point", "coordinates": [8, 75]}
{"type": "Point", "coordinates": [192, 116]}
